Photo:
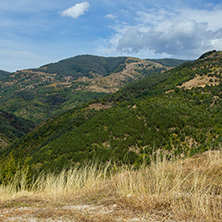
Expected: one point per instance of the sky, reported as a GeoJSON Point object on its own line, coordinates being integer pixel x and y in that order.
{"type": "Point", "coordinates": [37, 32]}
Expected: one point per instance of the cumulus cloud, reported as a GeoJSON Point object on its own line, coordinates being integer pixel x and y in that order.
{"type": "Point", "coordinates": [174, 38]}
{"type": "Point", "coordinates": [110, 16]}
{"type": "Point", "coordinates": [76, 10]}
{"type": "Point", "coordinates": [175, 33]}
{"type": "Point", "coordinates": [212, 17]}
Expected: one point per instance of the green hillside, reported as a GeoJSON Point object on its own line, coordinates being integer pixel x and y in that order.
{"type": "Point", "coordinates": [208, 69]}
{"type": "Point", "coordinates": [169, 62]}
{"type": "Point", "coordinates": [85, 65]}
{"type": "Point", "coordinates": [37, 94]}
{"type": "Point", "coordinates": [179, 112]}
{"type": "Point", "coordinates": [3, 74]}
{"type": "Point", "coordinates": [12, 128]}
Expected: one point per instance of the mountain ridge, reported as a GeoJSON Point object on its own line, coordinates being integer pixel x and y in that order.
{"type": "Point", "coordinates": [37, 94]}
{"type": "Point", "coordinates": [138, 120]}
{"type": "Point", "coordinates": [12, 128]}
{"type": "Point", "coordinates": [3, 74]}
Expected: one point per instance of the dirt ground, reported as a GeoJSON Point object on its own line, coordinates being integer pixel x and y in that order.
{"type": "Point", "coordinates": [27, 210]}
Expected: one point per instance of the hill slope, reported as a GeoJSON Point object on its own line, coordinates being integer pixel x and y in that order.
{"type": "Point", "coordinates": [164, 114]}
{"type": "Point", "coordinates": [37, 94]}
{"type": "Point", "coordinates": [85, 66]}
{"type": "Point", "coordinates": [170, 62]}
{"type": "Point", "coordinates": [3, 74]}
{"type": "Point", "coordinates": [12, 128]}
{"type": "Point", "coordinates": [165, 190]}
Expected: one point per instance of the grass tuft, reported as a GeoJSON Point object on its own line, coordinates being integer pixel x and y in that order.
{"type": "Point", "coordinates": [189, 189]}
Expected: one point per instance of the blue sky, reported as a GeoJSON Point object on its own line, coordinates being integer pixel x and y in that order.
{"type": "Point", "coordinates": [37, 32]}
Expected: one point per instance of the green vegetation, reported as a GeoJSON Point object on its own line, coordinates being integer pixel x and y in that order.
{"type": "Point", "coordinates": [166, 81]}
{"type": "Point", "coordinates": [207, 54]}
{"type": "Point", "coordinates": [157, 112]}
{"type": "Point", "coordinates": [37, 94]}
{"type": "Point", "coordinates": [3, 74]}
{"type": "Point", "coordinates": [41, 103]}
{"type": "Point", "coordinates": [138, 88]}
{"type": "Point", "coordinates": [85, 65]}
{"type": "Point", "coordinates": [12, 128]}
{"type": "Point", "coordinates": [122, 153]}
{"type": "Point", "coordinates": [169, 62]}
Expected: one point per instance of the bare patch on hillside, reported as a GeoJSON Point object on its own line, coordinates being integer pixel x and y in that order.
{"type": "Point", "coordinates": [113, 82]}
{"type": "Point", "coordinates": [200, 81]}
{"type": "Point", "coordinates": [98, 106]}
{"type": "Point", "coordinates": [3, 143]}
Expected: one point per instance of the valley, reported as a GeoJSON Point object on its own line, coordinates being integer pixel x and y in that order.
{"type": "Point", "coordinates": [158, 111]}
{"type": "Point", "coordinates": [111, 111]}
{"type": "Point", "coordinates": [37, 94]}
{"type": "Point", "coordinates": [114, 121]}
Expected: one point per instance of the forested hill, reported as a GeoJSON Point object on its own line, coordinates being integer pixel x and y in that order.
{"type": "Point", "coordinates": [12, 128]}
{"type": "Point", "coordinates": [170, 62]}
{"type": "Point", "coordinates": [181, 114]}
{"type": "Point", "coordinates": [206, 71]}
{"type": "Point", "coordinates": [37, 94]}
{"type": "Point", "coordinates": [3, 74]}
{"type": "Point", "coordinates": [85, 66]}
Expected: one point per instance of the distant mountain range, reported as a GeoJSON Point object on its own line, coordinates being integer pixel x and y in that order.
{"type": "Point", "coordinates": [36, 94]}
{"type": "Point", "coordinates": [170, 62]}
{"type": "Point", "coordinates": [178, 111]}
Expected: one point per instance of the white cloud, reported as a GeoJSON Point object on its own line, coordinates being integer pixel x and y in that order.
{"type": "Point", "coordinates": [212, 17]}
{"type": "Point", "coordinates": [76, 10]}
{"type": "Point", "coordinates": [177, 33]}
{"type": "Point", "coordinates": [171, 38]}
{"type": "Point", "coordinates": [185, 37]}
{"type": "Point", "coordinates": [110, 16]}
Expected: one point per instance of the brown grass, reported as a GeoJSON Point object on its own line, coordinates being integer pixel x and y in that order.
{"type": "Point", "coordinates": [187, 189]}
{"type": "Point", "coordinates": [200, 81]}
{"type": "Point", "coordinates": [179, 190]}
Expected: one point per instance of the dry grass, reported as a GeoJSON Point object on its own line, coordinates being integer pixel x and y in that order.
{"type": "Point", "coordinates": [179, 190]}
{"type": "Point", "coordinates": [190, 189]}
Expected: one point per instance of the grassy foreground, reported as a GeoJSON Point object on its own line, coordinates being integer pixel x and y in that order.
{"type": "Point", "coordinates": [176, 190]}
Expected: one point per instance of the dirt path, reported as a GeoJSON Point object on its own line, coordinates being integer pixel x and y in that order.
{"type": "Point", "coordinates": [74, 213]}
